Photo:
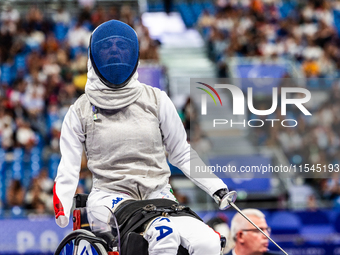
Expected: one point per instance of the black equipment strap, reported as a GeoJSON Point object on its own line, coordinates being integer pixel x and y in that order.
{"type": "Point", "coordinates": [133, 214]}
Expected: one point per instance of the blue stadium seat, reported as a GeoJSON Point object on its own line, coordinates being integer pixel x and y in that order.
{"type": "Point", "coordinates": [60, 31]}
{"type": "Point", "coordinates": [286, 9]}
{"type": "Point", "coordinates": [210, 7]}
{"type": "Point", "coordinates": [17, 166]}
{"type": "Point", "coordinates": [77, 50]}
{"type": "Point", "coordinates": [20, 62]}
{"type": "Point", "coordinates": [6, 74]}
{"type": "Point", "coordinates": [17, 212]}
{"type": "Point", "coordinates": [155, 7]}
{"type": "Point", "coordinates": [197, 10]}
{"type": "Point", "coordinates": [35, 161]}
{"type": "Point", "coordinates": [53, 165]}
{"type": "Point", "coordinates": [187, 14]}
{"type": "Point", "coordinates": [336, 14]}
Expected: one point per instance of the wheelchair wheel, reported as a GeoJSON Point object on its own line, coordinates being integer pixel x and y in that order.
{"type": "Point", "coordinates": [85, 247]}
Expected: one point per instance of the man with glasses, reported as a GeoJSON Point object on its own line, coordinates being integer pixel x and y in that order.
{"type": "Point", "coordinates": [249, 240]}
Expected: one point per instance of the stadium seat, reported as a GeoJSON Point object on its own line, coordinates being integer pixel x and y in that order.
{"type": "Point", "coordinates": [35, 161]}
{"type": "Point", "coordinates": [20, 62]}
{"type": "Point", "coordinates": [336, 14]}
{"type": "Point", "coordinates": [6, 74]}
{"type": "Point", "coordinates": [53, 165]}
{"type": "Point", "coordinates": [187, 14]}
{"type": "Point", "coordinates": [210, 7]}
{"type": "Point", "coordinates": [197, 10]}
{"type": "Point", "coordinates": [60, 31]}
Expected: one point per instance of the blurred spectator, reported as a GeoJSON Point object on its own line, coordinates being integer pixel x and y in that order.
{"type": "Point", "coordinates": [86, 3]}
{"type": "Point", "coordinates": [36, 195]}
{"type": "Point", "coordinates": [307, 35]}
{"type": "Point", "coordinates": [199, 141]}
{"type": "Point", "coordinates": [15, 194]}
{"type": "Point", "coordinates": [37, 209]}
{"type": "Point", "coordinates": [189, 115]}
{"type": "Point", "coordinates": [9, 18]}
{"type": "Point", "coordinates": [127, 15]}
{"type": "Point", "coordinates": [147, 46]}
{"type": "Point", "coordinates": [331, 187]}
{"type": "Point", "coordinates": [311, 68]}
{"type": "Point", "coordinates": [24, 134]}
{"type": "Point", "coordinates": [6, 129]}
{"type": "Point", "coordinates": [61, 16]}
{"type": "Point", "coordinates": [99, 16]}
{"type": "Point", "coordinates": [78, 36]}
{"type": "Point", "coordinates": [45, 182]}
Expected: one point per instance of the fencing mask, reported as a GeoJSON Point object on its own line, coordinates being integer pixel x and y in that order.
{"type": "Point", "coordinates": [114, 53]}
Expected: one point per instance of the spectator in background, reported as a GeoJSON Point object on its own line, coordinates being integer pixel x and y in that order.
{"type": "Point", "coordinates": [37, 195]}
{"type": "Point", "coordinates": [9, 18]}
{"type": "Point", "coordinates": [78, 36]}
{"type": "Point", "coordinates": [25, 136]}
{"type": "Point", "coordinates": [61, 16]}
{"type": "Point", "coordinates": [148, 47]}
{"type": "Point", "coordinates": [15, 194]}
{"type": "Point", "coordinates": [45, 182]}
{"type": "Point", "coordinates": [249, 240]}
{"type": "Point", "coordinates": [98, 16]}
{"type": "Point", "coordinates": [6, 129]}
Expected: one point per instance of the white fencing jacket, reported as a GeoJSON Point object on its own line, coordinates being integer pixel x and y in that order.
{"type": "Point", "coordinates": [124, 133]}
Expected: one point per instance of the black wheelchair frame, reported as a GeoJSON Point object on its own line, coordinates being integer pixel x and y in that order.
{"type": "Point", "coordinates": [132, 218]}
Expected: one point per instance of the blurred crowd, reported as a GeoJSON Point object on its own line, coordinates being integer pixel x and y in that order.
{"type": "Point", "coordinates": [43, 65]}
{"type": "Point", "coordinates": [315, 141]}
{"type": "Point", "coordinates": [304, 31]}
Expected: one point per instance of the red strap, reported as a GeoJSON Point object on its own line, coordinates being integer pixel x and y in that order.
{"type": "Point", "coordinates": [217, 233]}
{"type": "Point", "coordinates": [58, 207]}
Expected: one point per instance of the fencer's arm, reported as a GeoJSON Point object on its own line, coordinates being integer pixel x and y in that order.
{"type": "Point", "coordinates": [67, 178]}
{"type": "Point", "coordinates": [175, 140]}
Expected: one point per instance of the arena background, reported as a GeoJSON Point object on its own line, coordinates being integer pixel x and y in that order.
{"type": "Point", "coordinates": [43, 57]}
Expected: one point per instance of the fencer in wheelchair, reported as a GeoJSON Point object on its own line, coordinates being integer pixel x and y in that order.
{"type": "Point", "coordinates": [125, 127]}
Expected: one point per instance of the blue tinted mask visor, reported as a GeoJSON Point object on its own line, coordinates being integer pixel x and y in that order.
{"type": "Point", "coordinates": [114, 53]}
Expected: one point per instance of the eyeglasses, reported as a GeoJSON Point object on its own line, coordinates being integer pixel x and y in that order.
{"type": "Point", "coordinates": [268, 230]}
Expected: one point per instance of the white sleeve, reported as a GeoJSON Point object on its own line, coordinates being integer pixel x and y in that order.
{"type": "Point", "coordinates": [175, 140]}
{"type": "Point", "coordinates": [67, 178]}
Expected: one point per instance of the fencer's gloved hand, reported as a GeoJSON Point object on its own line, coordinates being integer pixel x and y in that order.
{"type": "Point", "coordinates": [223, 197]}
{"type": "Point", "coordinates": [62, 221]}
{"type": "Point", "coordinates": [60, 217]}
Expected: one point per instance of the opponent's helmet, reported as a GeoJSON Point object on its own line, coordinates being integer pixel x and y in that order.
{"type": "Point", "coordinates": [114, 53]}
